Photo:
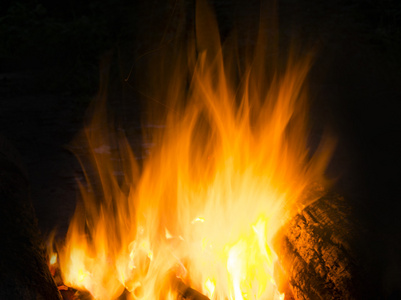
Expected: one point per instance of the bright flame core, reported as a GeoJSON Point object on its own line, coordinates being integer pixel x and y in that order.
{"type": "Point", "coordinates": [226, 170]}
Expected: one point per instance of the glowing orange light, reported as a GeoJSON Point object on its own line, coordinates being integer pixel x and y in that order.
{"type": "Point", "coordinates": [53, 258]}
{"type": "Point", "coordinates": [226, 169]}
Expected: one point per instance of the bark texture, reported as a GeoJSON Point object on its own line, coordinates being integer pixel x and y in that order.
{"type": "Point", "coordinates": [24, 272]}
{"type": "Point", "coordinates": [317, 253]}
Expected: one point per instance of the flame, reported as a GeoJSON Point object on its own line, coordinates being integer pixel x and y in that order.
{"type": "Point", "coordinates": [53, 259]}
{"type": "Point", "coordinates": [227, 167]}
{"type": "Point", "coordinates": [52, 255]}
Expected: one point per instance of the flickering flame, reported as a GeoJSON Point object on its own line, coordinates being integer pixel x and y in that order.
{"type": "Point", "coordinates": [53, 258]}
{"type": "Point", "coordinates": [226, 170]}
{"type": "Point", "coordinates": [210, 286]}
{"type": "Point", "coordinates": [52, 255]}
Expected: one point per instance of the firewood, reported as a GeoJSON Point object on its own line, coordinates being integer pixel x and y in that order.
{"type": "Point", "coordinates": [24, 271]}
{"type": "Point", "coordinates": [317, 253]}
{"type": "Point", "coordinates": [186, 292]}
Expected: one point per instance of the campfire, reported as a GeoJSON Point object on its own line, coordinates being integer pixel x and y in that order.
{"type": "Point", "coordinates": [227, 164]}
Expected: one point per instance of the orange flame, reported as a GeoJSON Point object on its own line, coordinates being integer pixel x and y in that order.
{"type": "Point", "coordinates": [225, 171]}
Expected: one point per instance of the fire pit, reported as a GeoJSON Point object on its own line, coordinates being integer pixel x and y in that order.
{"type": "Point", "coordinates": [228, 199]}
{"type": "Point", "coordinates": [317, 252]}
{"type": "Point", "coordinates": [227, 166]}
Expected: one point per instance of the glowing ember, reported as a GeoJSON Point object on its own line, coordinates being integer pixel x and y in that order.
{"type": "Point", "coordinates": [225, 171]}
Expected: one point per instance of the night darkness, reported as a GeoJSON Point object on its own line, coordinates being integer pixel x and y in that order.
{"type": "Point", "coordinates": [49, 70]}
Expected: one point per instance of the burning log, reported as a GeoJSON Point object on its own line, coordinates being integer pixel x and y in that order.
{"type": "Point", "coordinates": [187, 292]}
{"type": "Point", "coordinates": [317, 253]}
{"type": "Point", "coordinates": [24, 272]}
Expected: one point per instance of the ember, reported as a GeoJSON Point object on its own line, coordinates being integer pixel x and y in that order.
{"type": "Point", "coordinates": [227, 167]}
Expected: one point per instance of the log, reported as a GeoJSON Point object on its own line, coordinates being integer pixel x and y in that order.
{"type": "Point", "coordinates": [186, 292]}
{"type": "Point", "coordinates": [24, 271]}
{"type": "Point", "coordinates": [317, 252]}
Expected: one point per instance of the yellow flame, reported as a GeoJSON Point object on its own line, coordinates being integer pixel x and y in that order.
{"type": "Point", "coordinates": [226, 170]}
{"type": "Point", "coordinates": [210, 287]}
{"type": "Point", "coordinates": [53, 258]}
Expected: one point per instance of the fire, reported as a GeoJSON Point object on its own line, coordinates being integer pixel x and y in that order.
{"type": "Point", "coordinates": [227, 167]}
{"type": "Point", "coordinates": [53, 259]}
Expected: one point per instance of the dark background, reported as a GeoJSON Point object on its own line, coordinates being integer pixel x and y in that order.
{"type": "Point", "coordinates": [49, 71]}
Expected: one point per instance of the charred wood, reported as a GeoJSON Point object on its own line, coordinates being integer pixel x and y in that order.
{"type": "Point", "coordinates": [178, 287]}
{"type": "Point", "coordinates": [24, 271]}
{"type": "Point", "coordinates": [317, 253]}
{"type": "Point", "coordinates": [186, 292]}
